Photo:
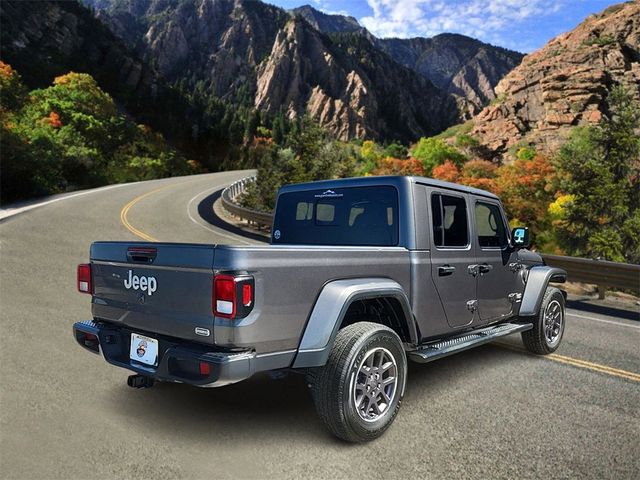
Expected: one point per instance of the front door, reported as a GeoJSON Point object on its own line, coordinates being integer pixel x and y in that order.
{"type": "Point", "coordinates": [451, 254]}
{"type": "Point", "coordinates": [499, 283]}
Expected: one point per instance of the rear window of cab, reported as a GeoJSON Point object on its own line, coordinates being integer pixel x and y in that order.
{"type": "Point", "coordinates": [365, 216]}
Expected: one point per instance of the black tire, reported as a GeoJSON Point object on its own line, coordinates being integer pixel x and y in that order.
{"type": "Point", "coordinates": [335, 386]}
{"type": "Point", "coordinates": [548, 328]}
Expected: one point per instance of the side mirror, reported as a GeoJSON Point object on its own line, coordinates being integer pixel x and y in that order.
{"type": "Point", "coordinates": [520, 237]}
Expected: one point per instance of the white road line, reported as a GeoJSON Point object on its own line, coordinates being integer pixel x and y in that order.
{"type": "Point", "coordinates": [217, 231]}
{"type": "Point", "coordinates": [11, 211]}
{"type": "Point", "coordinates": [603, 320]}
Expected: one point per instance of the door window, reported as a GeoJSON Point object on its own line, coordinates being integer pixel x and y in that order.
{"type": "Point", "coordinates": [489, 225]}
{"type": "Point", "coordinates": [450, 226]}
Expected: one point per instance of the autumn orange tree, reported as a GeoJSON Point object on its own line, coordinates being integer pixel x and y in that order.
{"type": "Point", "coordinates": [447, 172]}
{"type": "Point", "coordinates": [396, 166]}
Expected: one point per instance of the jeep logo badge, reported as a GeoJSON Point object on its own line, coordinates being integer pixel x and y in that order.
{"type": "Point", "coordinates": [146, 284]}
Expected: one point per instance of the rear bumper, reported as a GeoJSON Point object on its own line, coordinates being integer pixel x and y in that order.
{"type": "Point", "coordinates": [178, 361]}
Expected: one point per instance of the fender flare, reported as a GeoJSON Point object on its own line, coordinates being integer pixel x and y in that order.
{"type": "Point", "coordinates": [330, 308]}
{"type": "Point", "coordinates": [537, 282]}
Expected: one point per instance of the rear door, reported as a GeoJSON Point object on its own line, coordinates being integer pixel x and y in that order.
{"type": "Point", "coordinates": [499, 283]}
{"type": "Point", "coordinates": [452, 254]}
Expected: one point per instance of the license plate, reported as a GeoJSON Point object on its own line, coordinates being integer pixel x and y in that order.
{"type": "Point", "coordinates": [144, 349]}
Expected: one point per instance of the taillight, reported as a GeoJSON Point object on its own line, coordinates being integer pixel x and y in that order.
{"type": "Point", "coordinates": [224, 296]}
{"type": "Point", "coordinates": [232, 296]}
{"type": "Point", "coordinates": [84, 278]}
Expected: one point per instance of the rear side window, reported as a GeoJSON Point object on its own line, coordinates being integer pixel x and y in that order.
{"type": "Point", "coordinates": [348, 216]}
{"type": "Point", "coordinates": [489, 225]}
{"type": "Point", "coordinates": [450, 226]}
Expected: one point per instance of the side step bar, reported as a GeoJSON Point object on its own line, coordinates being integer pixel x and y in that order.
{"type": "Point", "coordinates": [434, 351]}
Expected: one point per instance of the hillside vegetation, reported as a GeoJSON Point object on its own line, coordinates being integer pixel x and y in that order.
{"type": "Point", "coordinates": [71, 135]}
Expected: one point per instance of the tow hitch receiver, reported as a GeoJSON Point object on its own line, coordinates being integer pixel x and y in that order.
{"type": "Point", "coordinates": [140, 381]}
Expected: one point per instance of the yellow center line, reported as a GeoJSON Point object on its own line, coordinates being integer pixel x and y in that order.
{"type": "Point", "coordinates": [127, 207]}
{"type": "Point", "coordinates": [595, 367]}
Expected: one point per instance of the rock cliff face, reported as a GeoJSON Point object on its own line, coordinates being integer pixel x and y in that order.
{"type": "Point", "coordinates": [218, 42]}
{"type": "Point", "coordinates": [565, 83]}
{"type": "Point", "coordinates": [351, 89]}
{"type": "Point", "coordinates": [301, 74]}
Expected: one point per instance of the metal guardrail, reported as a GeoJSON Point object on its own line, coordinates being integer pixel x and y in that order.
{"type": "Point", "coordinates": [229, 203]}
{"type": "Point", "coordinates": [602, 273]}
{"type": "Point", "coordinates": [598, 272]}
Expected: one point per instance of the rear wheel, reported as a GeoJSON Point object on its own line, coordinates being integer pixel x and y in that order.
{"type": "Point", "coordinates": [359, 391]}
{"type": "Point", "coordinates": [547, 331]}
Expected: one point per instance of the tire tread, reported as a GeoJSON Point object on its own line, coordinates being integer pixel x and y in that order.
{"type": "Point", "coordinates": [534, 339]}
{"type": "Point", "coordinates": [329, 382]}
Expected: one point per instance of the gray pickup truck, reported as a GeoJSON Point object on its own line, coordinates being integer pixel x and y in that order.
{"type": "Point", "coordinates": [361, 275]}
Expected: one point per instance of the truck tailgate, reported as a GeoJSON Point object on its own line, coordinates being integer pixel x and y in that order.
{"type": "Point", "coordinates": [158, 288]}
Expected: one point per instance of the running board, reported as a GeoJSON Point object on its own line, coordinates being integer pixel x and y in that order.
{"type": "Point", "coordinates": [434, 351]}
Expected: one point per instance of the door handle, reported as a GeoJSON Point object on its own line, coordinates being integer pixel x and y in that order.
{"type": "Point", "coordinates": [485, 268]}
{"type": "Point", "coordinates": [446, 270]}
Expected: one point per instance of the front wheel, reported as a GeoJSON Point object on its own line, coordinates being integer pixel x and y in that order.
{"type": "Point", "coordinates": [548, 328]}
{"type": "Point", "coordinates": [359, 391]}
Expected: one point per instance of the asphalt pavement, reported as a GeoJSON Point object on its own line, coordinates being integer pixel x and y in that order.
{"type": "Point", "coordinates": [491, 412]}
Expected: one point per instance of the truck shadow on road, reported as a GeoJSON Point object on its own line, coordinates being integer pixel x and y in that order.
{"type": "Point", "coordinates": [262, 408]}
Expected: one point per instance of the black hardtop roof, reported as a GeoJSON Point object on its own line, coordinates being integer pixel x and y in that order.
{"type": "Point", "coordinates": [396, 181]}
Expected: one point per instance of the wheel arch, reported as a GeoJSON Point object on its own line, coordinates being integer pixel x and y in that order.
{"type": "Point", "coordinates": [538, 279]}
{"type": "Point", "coordinates": [332, 309]}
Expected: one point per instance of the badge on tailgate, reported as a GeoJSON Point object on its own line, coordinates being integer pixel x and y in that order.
{"type": "Point", "coordinates": [146, 284]}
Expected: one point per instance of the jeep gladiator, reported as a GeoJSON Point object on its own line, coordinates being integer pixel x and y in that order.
{"type": "Point", "coordinates": [361, 275]}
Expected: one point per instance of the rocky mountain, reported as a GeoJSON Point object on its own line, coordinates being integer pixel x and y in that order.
{"type": "Point", "coordinates": [459, 65]}
{"type": "Point", "coordinates": [349, 86]}
{"type": "Point", "coordinates": [252, 53]}
{"type": "Point", "coordinates": [219, 42]}
{"type": "Point", "coordinates": [564, 84]}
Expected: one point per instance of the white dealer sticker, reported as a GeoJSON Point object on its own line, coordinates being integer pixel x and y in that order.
{"type": "Point", "coordinates": [329, 194]}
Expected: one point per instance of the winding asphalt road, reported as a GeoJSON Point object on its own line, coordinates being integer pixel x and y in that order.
{"type": "Point", "coordinates": [491, 412]}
